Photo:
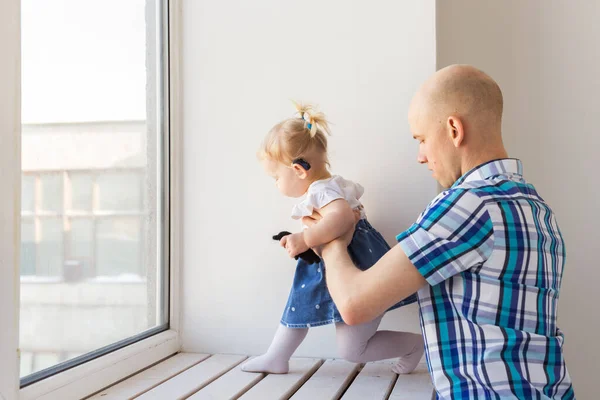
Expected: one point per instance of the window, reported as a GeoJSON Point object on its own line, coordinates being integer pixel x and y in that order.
{"type": "Point", "coordinates": [119, 192]}
{"type": "Point", "coordinates": [94, 177]}
{"type": "Point", "coordinates": [28, 247]}
{"type": "Point", "coordinates": [81, 185]}
{"type": "Point", "coordinates": [51, 193]}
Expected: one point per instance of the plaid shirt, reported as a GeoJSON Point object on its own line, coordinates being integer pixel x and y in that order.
{"type": "Point", "coordinates": [493, 255]}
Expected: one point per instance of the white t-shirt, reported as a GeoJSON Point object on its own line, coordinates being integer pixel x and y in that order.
{"type": "Point", "coordinates": [323, 192]}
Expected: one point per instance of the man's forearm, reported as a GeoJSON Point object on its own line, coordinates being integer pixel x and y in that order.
{"type": "Point", "coordinates": [341, 274]}
{"type": "Point", "coordinates": [363, 295]}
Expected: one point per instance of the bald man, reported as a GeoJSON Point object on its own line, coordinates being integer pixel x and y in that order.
{"type": "Point", "coordinates": [486, 256]}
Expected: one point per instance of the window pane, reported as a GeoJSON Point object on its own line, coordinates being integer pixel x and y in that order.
{"type": "Point", "coordinates": [81, 192]}
{"type": "Point", "coordinates": [92, 145]}
{"type": "Point", "coordinates": [52, 192]}
{"type": "Point", "coordinates": [119, 192]}
{"type": "Point", "coordinates": [118, 242]}
{"type": "Point", "coordinates": [45, 360]}
{"type": "Point", "coordinates": [50, 248]}
{"type": "Point", "coordinates": [28, 247]}
{"type": "Point", "coordinates": [27, 193]}
{"type": "Point", "coordinates": [26, 363]}
{"type": "Point", "coordinates": [80, 251]}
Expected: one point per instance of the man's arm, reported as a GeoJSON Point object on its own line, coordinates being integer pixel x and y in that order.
{"type": "Point", "coordinates": [363, 295]}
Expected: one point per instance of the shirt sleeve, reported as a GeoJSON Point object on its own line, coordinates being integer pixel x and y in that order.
{"type": "Point", "coordinates": [315, 200]}
{"type": "Point", "coordinates": [323, 197]}
{"type": "Point", "coordinates": [455, 233]}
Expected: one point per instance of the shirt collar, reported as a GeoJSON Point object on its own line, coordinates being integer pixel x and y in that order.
{"type": "Point", "coordinates": [505, 166]}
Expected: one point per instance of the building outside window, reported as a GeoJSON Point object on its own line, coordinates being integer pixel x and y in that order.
{"type": "Point", "coordinates": [94, 173]}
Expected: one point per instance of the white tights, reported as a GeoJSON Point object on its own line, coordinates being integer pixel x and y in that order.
{"type": "Point", "coordinates": [358, 343]}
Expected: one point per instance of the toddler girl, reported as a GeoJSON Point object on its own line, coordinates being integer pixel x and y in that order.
{"type": "Point", "coordinates": [294, 153]}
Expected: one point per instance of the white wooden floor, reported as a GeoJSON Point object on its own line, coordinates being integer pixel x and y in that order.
{"type": "Point", "coordinates": [218, 377]}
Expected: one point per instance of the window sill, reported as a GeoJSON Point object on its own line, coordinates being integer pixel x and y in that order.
{"type": "Point", "coordinates": [88, 378]}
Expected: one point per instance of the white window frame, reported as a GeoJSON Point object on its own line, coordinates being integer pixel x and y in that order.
{"type": "Point", "coordinates": [94, 375]}
{"type": "Point", "coordinates": [10, 165]}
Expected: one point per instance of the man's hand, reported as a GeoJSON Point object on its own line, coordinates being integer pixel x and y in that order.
{"type": "Point", "coordinates": [294, 244]}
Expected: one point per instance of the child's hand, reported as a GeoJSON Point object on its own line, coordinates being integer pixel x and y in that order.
{"type": "Point", "coordinates": [294, 244]}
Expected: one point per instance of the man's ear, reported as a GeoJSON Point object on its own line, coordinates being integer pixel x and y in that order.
{"type": "Point", "coordinates": [456, 131]}
{"type": "Point", "coordinates": [300, 171]}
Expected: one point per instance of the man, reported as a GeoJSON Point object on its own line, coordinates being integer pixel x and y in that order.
{"type": "Point", "coordinates": [486, 256]}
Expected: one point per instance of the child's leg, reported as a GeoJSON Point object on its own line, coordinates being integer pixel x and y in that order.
{"type": "Point", "coordinates": [363, 343]}
{"type": "Point", "coordinates": [276, 359]}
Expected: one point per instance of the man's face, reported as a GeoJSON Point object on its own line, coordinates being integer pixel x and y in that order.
{"type": "Point", "coordinates": [435, 145]}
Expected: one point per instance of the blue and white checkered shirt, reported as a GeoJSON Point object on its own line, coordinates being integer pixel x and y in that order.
{"type": "Point", "coordinates": [493, 255]}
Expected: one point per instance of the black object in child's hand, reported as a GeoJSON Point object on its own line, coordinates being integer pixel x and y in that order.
{"type": "Point", "coordinates": [309, 255]}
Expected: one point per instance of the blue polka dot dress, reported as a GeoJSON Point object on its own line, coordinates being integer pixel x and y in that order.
{"type": "Point", "coordinates": [309, 303]}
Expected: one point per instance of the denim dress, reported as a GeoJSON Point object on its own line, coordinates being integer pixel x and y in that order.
{"type": "Point", "coordinates": [310, 304]}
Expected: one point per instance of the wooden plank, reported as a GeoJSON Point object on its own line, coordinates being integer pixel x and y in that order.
{"type": "Point", "coordinates": [191, 380]}
{"type": "Point", "coordinates": [374, 382]}
{"type": "Point", "coordinates": [284, 385]}
{"type": "Point", "coordinates": [151, 377]}
{"type": "Point", "coordinates": [329, 382]}
{"type": "Point", "coordinates": [230, 386]}
{"type": "Point", "coordinates": [415, 386]}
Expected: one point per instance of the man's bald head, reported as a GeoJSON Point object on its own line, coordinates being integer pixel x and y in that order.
{"type": "Point", "coordinates": [457, 118]}
{"type": "Point", "coordinates": [465, 92]}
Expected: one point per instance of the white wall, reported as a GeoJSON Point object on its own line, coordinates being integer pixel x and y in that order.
{"type": "Point", "coordinates": [242, 62]}
{"type": "Point", "coordinates": [545, 56]}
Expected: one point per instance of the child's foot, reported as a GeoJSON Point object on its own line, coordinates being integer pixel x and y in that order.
{"type": "Point", "coordinates": [409, 362]}
{"type": "Point", "coordinates": [267, 365]}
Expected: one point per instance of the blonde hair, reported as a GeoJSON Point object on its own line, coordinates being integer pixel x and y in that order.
{"type": "Point", "coordinates": [304, 136]}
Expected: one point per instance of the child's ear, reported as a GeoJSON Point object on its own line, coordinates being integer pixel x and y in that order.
{"type": "Point", "coordinates": [300, 171]}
